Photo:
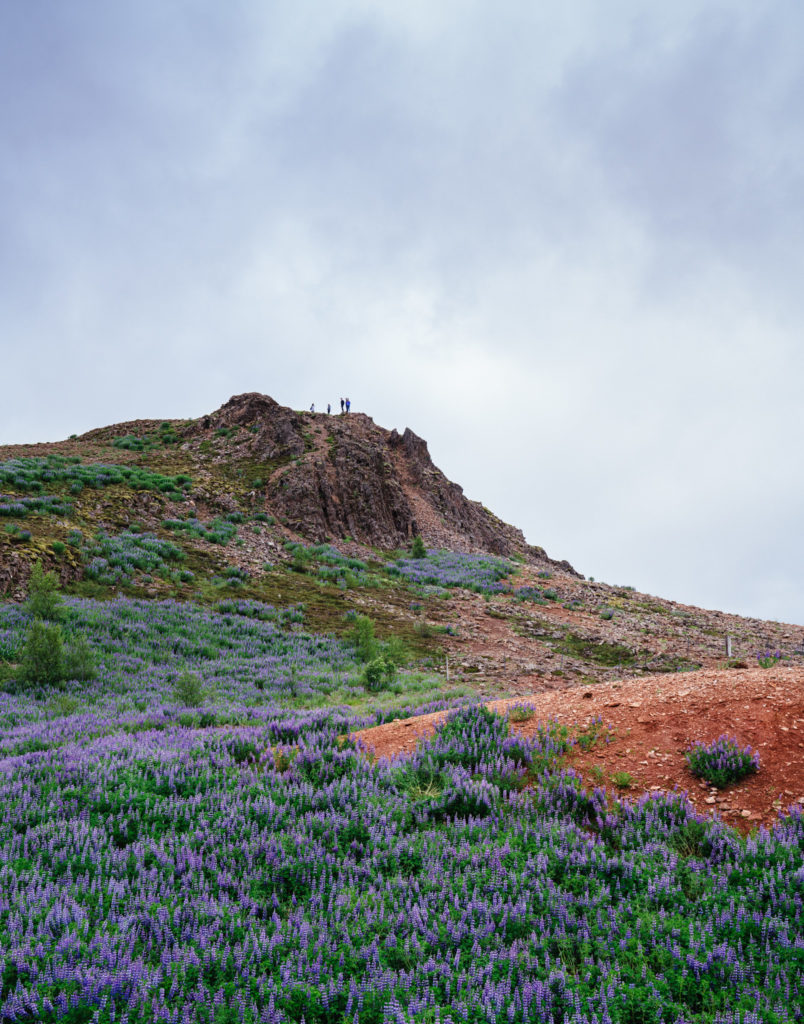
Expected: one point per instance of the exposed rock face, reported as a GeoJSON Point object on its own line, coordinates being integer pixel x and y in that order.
{"type": "Point", "coordinates": [278, 430]}
{"type": "Point", "coordinates": [343, 476]}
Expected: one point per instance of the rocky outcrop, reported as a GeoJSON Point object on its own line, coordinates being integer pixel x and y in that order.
{"type": "Point", "coordinates": [344, 476]}
{"type": "Point", "coordinates": [277, 431]}
{"type": "Point", "coordinates": [456, 514]}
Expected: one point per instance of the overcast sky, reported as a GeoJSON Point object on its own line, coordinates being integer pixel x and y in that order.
{"type": "Point", "coordinates": [562, 241]}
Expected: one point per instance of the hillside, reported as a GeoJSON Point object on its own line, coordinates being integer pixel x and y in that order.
{"type": "Point", "coordinates": [246, 501]}
{"type": "Point", "coordinates": [266, 758]}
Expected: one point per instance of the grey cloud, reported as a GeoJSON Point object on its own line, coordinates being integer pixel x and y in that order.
{"type": "Point", "coordinates": [562, 242]}
{"type": "Point", "coordinates": [697, 139]}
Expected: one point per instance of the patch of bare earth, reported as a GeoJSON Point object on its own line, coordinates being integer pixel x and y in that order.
{"type": "Point", "coordinates": [652, 720]}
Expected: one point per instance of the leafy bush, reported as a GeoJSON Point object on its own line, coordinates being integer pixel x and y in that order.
{"type": "Point", "coordinates": [44, 600]}
{"type": "Point", "coordinates": [722, 761]}
{"type": "Point", "coordinates": [396, 650]}
{"type": "Point", "coordinates": [188, 690]}
{"type": "Point", "coordinates": [16, 533]}
{"type": "Point", "coordinates": [621, 779]}
{"type": "Point", "coordinates": [133, 444]}
{"type": "Point", "coordinates": [379, 673]}
{"type": "Point", "coordinates": [417, 548]}
{"type": "Point", "coordinates": [43, 654]}
{"type": "Point", "coordinates": [47, 658]}
{"type": "Point", "coordinates": [361, 635]}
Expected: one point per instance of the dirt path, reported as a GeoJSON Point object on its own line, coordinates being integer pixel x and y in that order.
{"type": "Point", "coordinates": [653, 720]}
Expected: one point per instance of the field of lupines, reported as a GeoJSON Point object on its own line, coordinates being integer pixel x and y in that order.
{"type": "Point", "coordinates": [242, 862]}
{"type": "Point", "coordinates": [481, 573]}
{"type": "Point", "coordinates": [253, 663]}
{"type": "Point", "coordinates": [270, 874]}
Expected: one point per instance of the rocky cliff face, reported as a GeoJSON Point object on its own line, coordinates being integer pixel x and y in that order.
{"type": "Point", "coordinates": [333, 477]}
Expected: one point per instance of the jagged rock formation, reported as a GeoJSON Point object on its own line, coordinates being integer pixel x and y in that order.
{"type": "Point", "coordinates": [332, 477]}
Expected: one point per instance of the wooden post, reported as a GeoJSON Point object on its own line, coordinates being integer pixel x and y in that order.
{"type": "Point", "coordinates": [446, 659]}
{"type": "Point", "coordinates": [728, 646]}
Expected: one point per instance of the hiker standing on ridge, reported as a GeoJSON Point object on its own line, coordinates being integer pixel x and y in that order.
{"type": "Point", "coordinates": [312, 407]}
{"type": "Point", "coordinates": [341, 405]}
{"type": "Point", "coordinates": [328, 408]}
{"type": "Point", "coordinates": [348, 405]}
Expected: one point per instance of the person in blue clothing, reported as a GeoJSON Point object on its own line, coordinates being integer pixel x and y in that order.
{"type": "Point", "coordinates": [348, 405]}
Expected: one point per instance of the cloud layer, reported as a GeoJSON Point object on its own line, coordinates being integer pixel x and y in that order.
{"type": "Point", "coordinates": [561, 242]}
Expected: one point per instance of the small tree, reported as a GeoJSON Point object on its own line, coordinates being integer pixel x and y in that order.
{"type": "Point", "coordinates": [378, 673]}
{"type": "Point", "coordinates": [188, 690]}
{"type": "Point", "coordinates": [43, 654]}
{"type": "Point", "coordinates": [44, 600]}
{"type": "Point", "coordinates": [362, 636]}
{"type": "Point", "coordinates": [417, 548]}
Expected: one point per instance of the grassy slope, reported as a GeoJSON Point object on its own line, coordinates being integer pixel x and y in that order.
{"type": "Point", "coordinates": [235, 861]}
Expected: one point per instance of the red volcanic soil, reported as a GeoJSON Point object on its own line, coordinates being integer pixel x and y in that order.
{"type": "Point", "coordinates": [652, 720]}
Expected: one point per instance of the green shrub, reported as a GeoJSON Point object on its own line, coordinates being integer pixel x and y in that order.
{"type": "Point", "coordinates": [59, 547]}
{"type": "Point", "coordinates": [366, 645]}
{"type": "Point", "coordinates": [379, 673]}
{"type": "Point", "coordinates": [417, 548]}
{"type": "Point", "coordinates": [43, 654]}
{"type": "Point", "coordinates": [188, 690]}
{"type": "Point", "coordinates": [396, 650]}
{"type": "Point", "coordinates": [44, 600]}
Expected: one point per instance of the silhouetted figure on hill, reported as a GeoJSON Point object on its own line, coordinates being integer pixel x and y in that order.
{"type": "Point", "coordinates": [348, 405]}
{"type": "Point", "coordinates": [329, 409]}
{"type": "Point", "coordinates": [342, 404]}
{"type": "Point", "coordinates": [312, 407]}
